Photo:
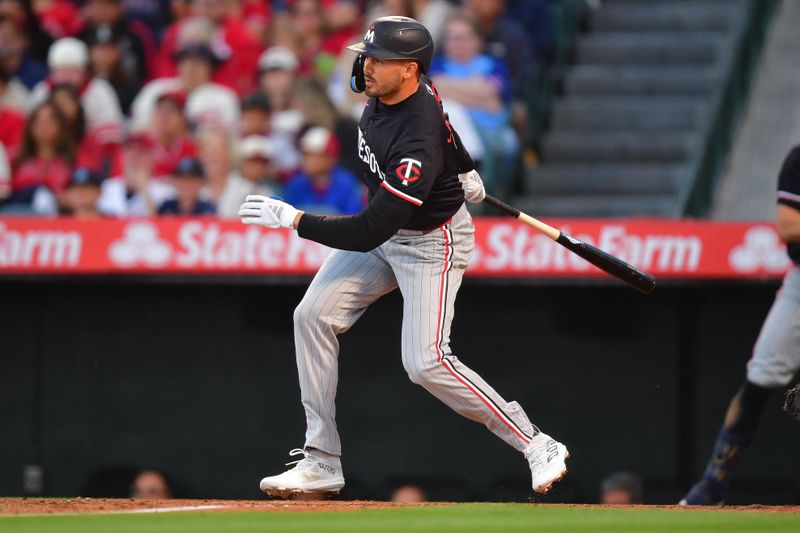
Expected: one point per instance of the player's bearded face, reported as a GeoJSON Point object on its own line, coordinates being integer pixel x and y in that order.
{"type": "Point", "coordinates": [383, 76]}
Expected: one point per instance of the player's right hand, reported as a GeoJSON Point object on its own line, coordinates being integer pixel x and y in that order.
{"type": "Point", "coordinates": [267, 212]}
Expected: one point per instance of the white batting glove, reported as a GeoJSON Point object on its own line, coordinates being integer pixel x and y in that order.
{"type": "Point", "coordinates": [472, 184]}
{"type": "Point", "coordinates": [267, 212]}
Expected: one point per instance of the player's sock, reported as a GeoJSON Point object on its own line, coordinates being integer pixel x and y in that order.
{"type": "Point", "coordinates": [735, 436]}
{"type": "Point", "coordinates": [713, 486]}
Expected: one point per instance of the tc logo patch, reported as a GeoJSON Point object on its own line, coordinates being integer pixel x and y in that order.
{"type": "Point", "coordinates": [409, 170]}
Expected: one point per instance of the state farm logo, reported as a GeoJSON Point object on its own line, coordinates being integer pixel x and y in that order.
{"type": "Point", "coordinates": [761, 249]}
{"type": "Point", "coordinates": [140, 243]}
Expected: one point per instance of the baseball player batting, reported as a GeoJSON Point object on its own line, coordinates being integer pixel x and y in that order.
{"type": "Point", "coordinates": [415, 235]}
{"type": "Point", "coordinates": [776, 355]}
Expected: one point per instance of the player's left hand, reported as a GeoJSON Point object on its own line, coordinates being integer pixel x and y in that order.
{"type": "Point", "coordinates": [267, 212]}
{"type": "Point", "coordinates": [472, 184]}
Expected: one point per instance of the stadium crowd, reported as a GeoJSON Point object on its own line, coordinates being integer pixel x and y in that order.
{"type": "Point", "coordinates": [116, 108]}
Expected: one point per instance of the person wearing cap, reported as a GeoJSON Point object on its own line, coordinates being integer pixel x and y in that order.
{"type": "Point", "coordinates": [188, 181]}
{"type": "Point", "coordinates": [107, 60]}
{"type": "Point", "coordinates": [207, 103]}
{"type": "Point", "coordinates": [135, 193]}
{"type": "Point", "coordinates": [109, 26]}
{"type": "Point", "coordinates": [83, 193]}
{"type": "Point", "coordinates": [321, 185]}
{"type": "Point", "coordinates": [277, 69]}
{"type": "Point", "coordinates": [68, 60]}
{"type": "Point", "coordinates": [255, 114]}
{"type": "Point", "coordinates": [415, 235]}
{"type": "Point", "coordinates": [255, 175]}
{"type": "Point", "coordinates": [230, 38]}
{"type": "Point", "coordinates": [171, 133]}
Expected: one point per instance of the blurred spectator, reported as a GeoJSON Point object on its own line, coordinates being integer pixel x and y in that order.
{"type": "Point", "coordinates": [92, 153]}
{"type": "Point", "coordinates": [131, 40]}
{"type": "Point", "coordinates": [431, 13]}
{"type": "Point", "coordinates": [321, 45]}
{"type": "Point", "coordinates": [188, 181]}
{"type": "Point", "coordinates": [311, 100]}
{"type": "Point", "coordinates": [44, 161]}
{"type": "Point", "coordinates": [621, 488]}
{"type": "Point", "coordinates": [83, 192]}
{"type": "Point", "coordinates": [68, 60]}
{"type": "Point", "coordinates": [277, 68]}
{"type": "Point", "coordinates": [255, 176]}
{"type": "Point", "coordinates": [255, 115]}
{"type": "Point", "coordinates": [409, 494]}
{"type": "Point", "coordinates": [228, 37]}
{"type": "Point", "coordinates": [480, 83]}
{"type": "Point", "coordinates": [536, 19]}
{"type": "Point", "coordinates": [322, 186]}
{"type": "Point", "coordinates": [207, 103]}
{"type": "Point", "coordinates": [58, 18]}
{"type": "Point", "coordinates": [135, 193]}
{"type": "Point", "coordinates": [5, 176]}
{"type": "Point", "coordinates": [505, 40]}
{"type": "Point", "coordinates": [13, 95]}
{"type": "Point", "coordinates": [151, 485]}
{"type": "Point", "coordinates": [155, 14]}
{"type": "Point", "coordinates": [171, 134]}
{"type": "Point", "coordinates": [12, 121]}
{"type": "Point", "coordinates": [216, 151]}
{"type": "Point", "coordinates": [14, 55]}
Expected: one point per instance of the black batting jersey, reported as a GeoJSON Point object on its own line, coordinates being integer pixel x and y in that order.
{"type": "Point", "coordinates": [789, 192]}
{"type": "Point", "coordinates": [406, 149]}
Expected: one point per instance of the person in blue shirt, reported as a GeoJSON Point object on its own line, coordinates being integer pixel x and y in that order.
{"type": "Point", "coordinates": [188, 180]}
{"type": "Point", "coordinates": [321, 185]}
{"type": "Point", "coordinates": [481, 84]}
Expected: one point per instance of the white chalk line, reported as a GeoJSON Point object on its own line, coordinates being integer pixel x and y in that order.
{"type": "Point", "coordinates": [149, 510]}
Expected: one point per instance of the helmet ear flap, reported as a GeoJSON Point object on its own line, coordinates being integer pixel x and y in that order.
{"type": "Point", "coordinates": [357, 82]}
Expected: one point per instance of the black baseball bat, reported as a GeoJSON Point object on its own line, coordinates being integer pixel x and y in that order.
{"type": "Point", "coordinates": [641, 281]}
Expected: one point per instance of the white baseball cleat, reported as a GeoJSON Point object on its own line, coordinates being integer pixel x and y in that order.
{"type": "Point", "coordinates": [547, 459]}
{"type": "Point", "coordinates": [312, 474]}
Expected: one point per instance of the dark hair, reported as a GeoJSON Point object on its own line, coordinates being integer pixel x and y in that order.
{"type": "Point", "coordinates": [65, 146]}
{"type": "Point", "coordinates": [79, 126]}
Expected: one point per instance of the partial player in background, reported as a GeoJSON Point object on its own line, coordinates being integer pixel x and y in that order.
{"type": "Point", "coordinates": [776, 356]}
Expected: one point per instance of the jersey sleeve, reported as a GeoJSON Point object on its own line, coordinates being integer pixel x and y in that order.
{"type": "Point", "coordinates": [415, 158]}
{"type": "Point", "coordinates": [789, 180]}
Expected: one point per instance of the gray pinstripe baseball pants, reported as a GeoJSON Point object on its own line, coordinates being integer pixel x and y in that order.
{"type": "Point", "coordinates": [428, 269]}
{"type": "Point", "coordinates": [776, 355]}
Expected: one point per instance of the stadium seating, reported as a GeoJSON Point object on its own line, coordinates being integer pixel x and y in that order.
{"type": "Point", "coordinates": [636, 103]}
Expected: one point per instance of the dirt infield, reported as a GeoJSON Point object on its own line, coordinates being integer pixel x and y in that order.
{"type": "Point", "coordinates": [20, 506]}
{"type": "Point", "coordinates": [25, 506]}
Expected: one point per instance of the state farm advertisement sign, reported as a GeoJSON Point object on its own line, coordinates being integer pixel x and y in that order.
{"type": "Point", "coordinates": [505, 248]}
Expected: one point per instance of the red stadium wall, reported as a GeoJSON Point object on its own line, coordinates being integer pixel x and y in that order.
{"type": "Point", "coordinates": [670, 250]}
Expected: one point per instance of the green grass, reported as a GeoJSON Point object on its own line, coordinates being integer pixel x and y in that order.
{"type": "Point", "coordinates": [467, 517]}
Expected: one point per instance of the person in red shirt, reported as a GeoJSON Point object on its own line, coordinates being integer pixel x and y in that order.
{"type": "Point", "coordinates": [321, 44]}
{"type": "Point", "coordinates": [91, 152]}
{"type": "Point", "coordinates": [12, 122]}
{"type": "Point", "coordinates": [233, 43]}
{"type": "Point", "coordinates": [170, 132]}
{"type": "Point", "coordinates": [57, 17]}
{"type": "Point", "coordinates": [45, 157]}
